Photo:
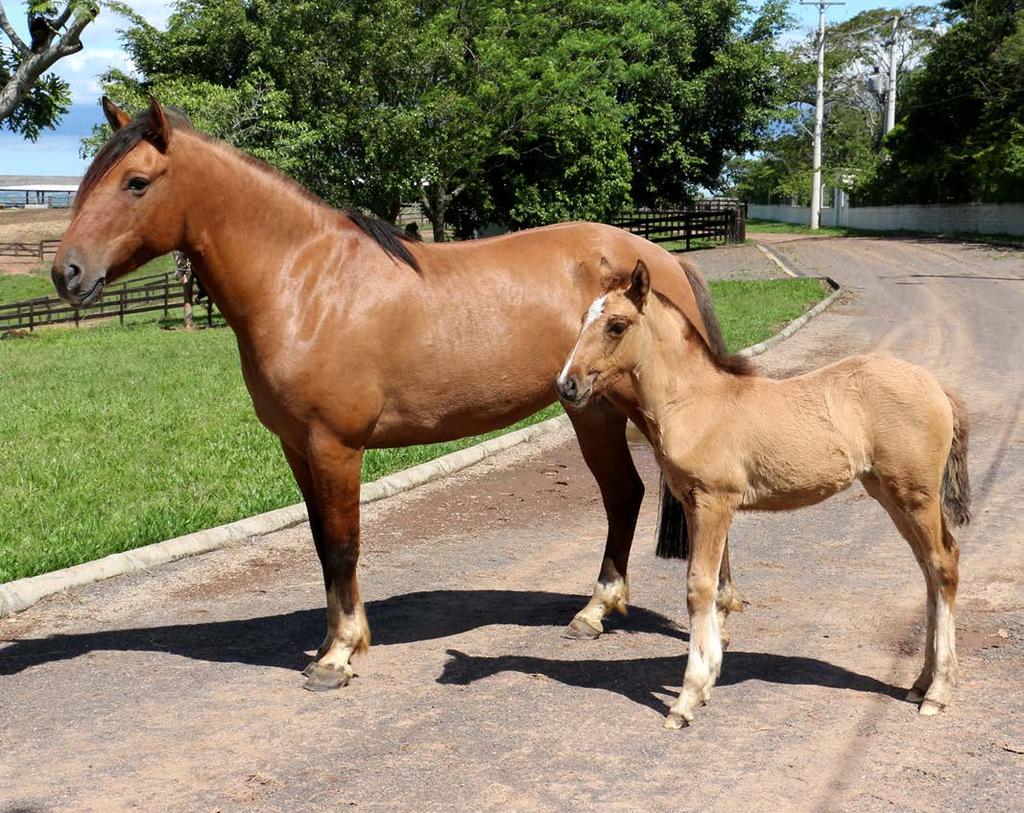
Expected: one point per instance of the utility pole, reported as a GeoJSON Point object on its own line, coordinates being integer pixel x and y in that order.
{"type": "Point", "coordinates": [890, 108]}
{"type": "Point", "coordinates": [819, 112]}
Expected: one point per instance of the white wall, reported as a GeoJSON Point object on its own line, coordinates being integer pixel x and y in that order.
{"type": "Point", "coordinates": [987, 218]}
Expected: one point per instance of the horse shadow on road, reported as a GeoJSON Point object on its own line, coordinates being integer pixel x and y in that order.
{"type": "Point", "coordinates": [278, 641]}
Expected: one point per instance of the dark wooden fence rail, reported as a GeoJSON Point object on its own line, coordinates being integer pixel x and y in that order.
{"type": "Point", "coordinates": [717, 220]}
{"type": "Point", "coordinates": [30, 251]}
{"type": "Point", "coordinates": [149, 294]}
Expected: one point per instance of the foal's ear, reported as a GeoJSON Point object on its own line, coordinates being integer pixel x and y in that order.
{"type": "Point", "coordinates": [158, 124]}
{"type": "Point", "coordinates": [116, 117]}
{"type": "Point", "coordinates": [639, 285]}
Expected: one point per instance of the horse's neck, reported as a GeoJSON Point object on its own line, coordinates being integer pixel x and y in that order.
{"type": "Point", "coordinates": [244, 228]}
{"type": "Point", "coordinates": [677, 382]}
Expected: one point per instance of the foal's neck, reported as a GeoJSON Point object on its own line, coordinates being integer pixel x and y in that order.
{"type": "Point", "coordinates": [676, 374]}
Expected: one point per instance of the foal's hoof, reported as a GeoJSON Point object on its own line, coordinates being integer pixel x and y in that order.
{"type": "Point", "coordinates": [321, 678]}
{"type": "Point", "coordinates": [929, 708]}
{"type": "Point", "coordinates": [581, 630]}
{"type": "Point", "coordinates": [677, 720]}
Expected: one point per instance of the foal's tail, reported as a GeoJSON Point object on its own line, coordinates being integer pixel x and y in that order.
{"type": "Point", "coordinates": [956, 486]}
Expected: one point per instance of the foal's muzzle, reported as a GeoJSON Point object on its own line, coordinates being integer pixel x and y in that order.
{"type": "Point", "coordinates": [572, 391]}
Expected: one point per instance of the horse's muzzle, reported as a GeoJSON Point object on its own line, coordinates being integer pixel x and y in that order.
{"type": "Point", "coordinates": [571, 391]}
{"type": "Point", "coordinates": [73, 284]}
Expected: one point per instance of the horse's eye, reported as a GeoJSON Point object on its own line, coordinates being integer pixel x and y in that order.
{"type": "Point", "coordinates": [138, 184]}
{"type": "Point", "coordinates": [616, 328]}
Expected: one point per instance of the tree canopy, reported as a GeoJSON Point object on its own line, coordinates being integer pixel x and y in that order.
{"type": "Point", "coordinates": [521, 111]}
{"type": "Point", "coordinates": [960, 133]}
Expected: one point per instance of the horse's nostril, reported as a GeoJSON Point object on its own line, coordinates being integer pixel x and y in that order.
{"type": "Point", "coordinates": [73, 271]}
{"type": "Point", "coordinates": [569, 388]}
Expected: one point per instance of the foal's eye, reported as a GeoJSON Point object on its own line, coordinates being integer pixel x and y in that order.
{"type": "Point", "coordinates": [138, 185]}
{"type": "Point", "coordinates": [616, 328]}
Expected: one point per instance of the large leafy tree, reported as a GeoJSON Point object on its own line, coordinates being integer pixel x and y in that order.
{"type": "Point", "coordinates": [522, 111]}
{"type": "Point", "coordinates": [31, 99]}
{"type": "Point", "coordinates": [854, 114]}
{"type": "Point", "coordinates": [960, 137]}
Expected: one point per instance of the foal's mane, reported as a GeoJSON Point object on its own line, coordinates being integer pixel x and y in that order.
{"type": "Point", "coordinates": [390, 238]}
{"type": "Point", "coordinates": [715, 345]}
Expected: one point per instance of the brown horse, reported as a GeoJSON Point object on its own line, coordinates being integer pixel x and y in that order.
{"type": "Point", "coordinates": [728, 439]}
{"type": "Point", "coordinates": [352, 337]}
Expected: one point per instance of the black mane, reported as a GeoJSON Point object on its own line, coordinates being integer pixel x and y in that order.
{"type": "Point", "coordinates": [390, 238]}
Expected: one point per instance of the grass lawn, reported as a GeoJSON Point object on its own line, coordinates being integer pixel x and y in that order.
{"type": "Point", "coordinates": [778, 227]}
{"type": "Point", "coordinates": [114, 437]}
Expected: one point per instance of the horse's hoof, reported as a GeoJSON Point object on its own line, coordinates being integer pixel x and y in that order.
{"type": "Point", "coordinates": [581, 630]}
{"type": "Point", "coordinates": [675, 721]}
{"type": "Point", "coordinates": [915, 695]}
{"type": "Point", "coordinates": [323, 678]}
{"type": "Point", "coordinates": [929, 708]}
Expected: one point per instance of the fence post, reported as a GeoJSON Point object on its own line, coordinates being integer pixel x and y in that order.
{"type": "Point", "coordinates": [687, 230]}
{"type": "Point", "coordinates": [121, 304]}
{"type": "Point", "coordinates": [31, 316]}
{"type": "Point", "coordinates": [167, 294]}
{"type": "Point", "coordinates": [40, 251]}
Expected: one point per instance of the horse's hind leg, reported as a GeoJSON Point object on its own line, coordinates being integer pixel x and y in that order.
{"type": "Point", "coordinates": [601, 431]}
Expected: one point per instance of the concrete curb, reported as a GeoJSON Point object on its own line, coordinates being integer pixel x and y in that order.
{"type": "Point", "coordinates": [21, 594]}
{"type": "Point", "coordinates": [775, 258]}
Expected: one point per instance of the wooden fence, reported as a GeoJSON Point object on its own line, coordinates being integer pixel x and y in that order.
{"type": "Point", "coordinates": [30, 251]}
{"type": "Point", "coordinates": [715, 220]}
{"type": "Point", "coordinates": [149, 294]}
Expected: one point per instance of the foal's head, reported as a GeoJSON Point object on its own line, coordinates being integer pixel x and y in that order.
{"type": "Point", "coordinates": [127, 210]}
{"type": "Point", "coordinates": [610, 342]}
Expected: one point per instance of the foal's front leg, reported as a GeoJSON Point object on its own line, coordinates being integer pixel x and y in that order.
{"type": "Point", "coordinates": [708, 518]}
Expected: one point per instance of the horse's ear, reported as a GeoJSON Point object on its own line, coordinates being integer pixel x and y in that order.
{"type": "Point", "coordinates": [116, 117]}
{"type": "Point", "coordinates": [639, 285]}
{"type": "Point", "coordinates": [158, 123]}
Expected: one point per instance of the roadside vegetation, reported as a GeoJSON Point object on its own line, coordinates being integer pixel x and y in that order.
{"type": "Point", "coordinates": [115, 437]}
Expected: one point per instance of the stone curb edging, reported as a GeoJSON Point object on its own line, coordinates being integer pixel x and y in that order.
{"type": "Point", "coordinates": [21, 594]}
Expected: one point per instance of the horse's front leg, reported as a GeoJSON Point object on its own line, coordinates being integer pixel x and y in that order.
{"type": "Point", "coordinates": [328, 475]}
{"type": "Point", "coordinates": [709, 520]}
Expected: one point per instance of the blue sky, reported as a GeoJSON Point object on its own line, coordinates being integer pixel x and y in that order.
{"type": "Point", "coordinates": [56, 152]}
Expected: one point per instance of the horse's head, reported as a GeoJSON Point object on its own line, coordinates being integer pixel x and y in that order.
{"type": "Point", "coordinates": [127, 211]}
{"type": "Point", "coordinates": [610, 341]}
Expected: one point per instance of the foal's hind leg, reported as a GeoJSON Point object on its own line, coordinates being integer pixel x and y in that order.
{"type": "Point", "coordinates": [601, 431]}
{"type": "Point", "coordinates": [924, 528]}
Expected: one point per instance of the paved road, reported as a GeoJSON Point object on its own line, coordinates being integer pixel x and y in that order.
{"type": "Point", "coordinates": [178, 689]}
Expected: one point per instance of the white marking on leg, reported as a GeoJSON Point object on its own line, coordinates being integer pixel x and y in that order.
{"type": "Point", "coordinates": [595, 310]}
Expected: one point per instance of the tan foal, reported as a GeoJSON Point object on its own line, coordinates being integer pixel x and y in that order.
{"type": "Point", "coordinates": [728, 439]}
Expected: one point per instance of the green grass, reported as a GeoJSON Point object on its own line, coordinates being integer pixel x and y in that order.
{"type": "Point", "coordinates": [778, 227]}
{"type": "Point", "coordinates": [16, 287]}
{"type": "Point", "coordinates": [114, 437]}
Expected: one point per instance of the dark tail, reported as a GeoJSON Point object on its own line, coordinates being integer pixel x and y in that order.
{"type": "Point", "coordinates": [956, 485]}
{"type": "Point", "coordinates": [673, 538]}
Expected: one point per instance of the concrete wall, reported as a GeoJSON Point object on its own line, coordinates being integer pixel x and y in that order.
{"type": "Point", "coordinates": [988, 218]}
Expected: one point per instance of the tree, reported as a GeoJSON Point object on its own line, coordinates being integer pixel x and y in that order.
{"type": "Point", "coordinates": [854, 115]}
{"type": "Point", "coordinates": [960, 137]}
{"type": "Point", "coordinates": [32, 100]}
{"type": "Point", "coordinates": [523, 112]}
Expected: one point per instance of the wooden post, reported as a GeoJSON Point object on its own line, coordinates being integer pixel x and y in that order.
{"type": "Point", "coordinates": [686, 230]}
{"type": "Point", "coordinates": [167, 294]}
{"type": "Point", "coordinates": [120, 314]}
{"type": "Point", "coordinates": [31, 315]}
